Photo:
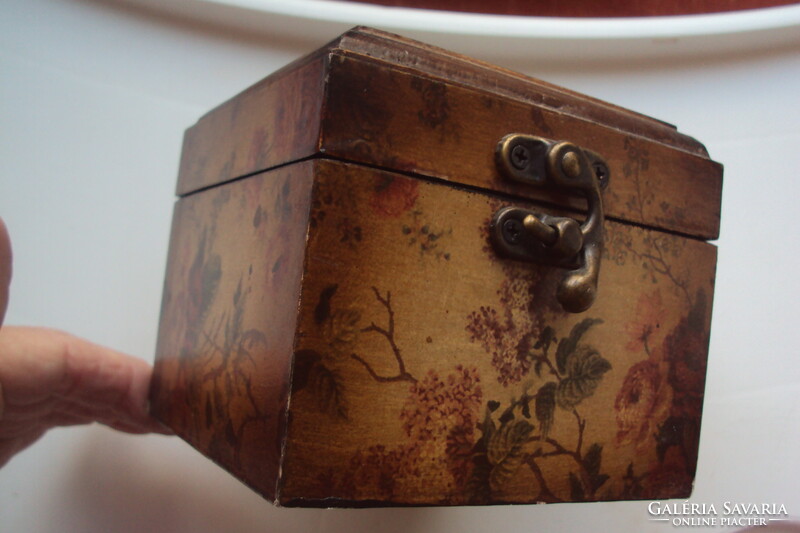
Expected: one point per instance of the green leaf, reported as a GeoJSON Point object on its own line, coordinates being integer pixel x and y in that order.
{"type": "Point", "coordinates": [575, 488]}
{"type": "Point", "coordinates": [328, 390]}
{"type": "Point", "coordinates": [341, 330]}
{"type": "Point", "coordinates": [211, 274]}
{"type": "Point", "coordinates": [478, 485]}
{"type": "Point", "coordinates": [598, 480]}
{"type": "Point", "coordinates": [592, 459]}
{"type": "Point", "coordinates": [547, 337]}
{"type": "Point", "coordinates": [585, 368]}
{"type": "Point", "coordinates": [546, 406]}
{"type": "Point", "coordinates": [591, 462]}
{"type": "Point", "coordinates": [567, 346]}
{"type": "Point", "coordinates": [323, 309]}
{"type": "Point", "coordinates": [487, 427]}
{"type": "Point", "coordinates": [505, 451]}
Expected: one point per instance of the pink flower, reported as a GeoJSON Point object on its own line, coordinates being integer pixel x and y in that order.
{"type": "Point", "coordinates": [642, 403]}
{"type": "Point", "coordinates": [434, 405]}
{"type": "Point", "coordinates": [686, 349]}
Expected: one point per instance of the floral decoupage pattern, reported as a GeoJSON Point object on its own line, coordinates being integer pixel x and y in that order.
{"type": "Point", "coordinates": [429, 371]}
{"type": "Point", "coordinates": [338, 335]}
{"type": "Point", "coordinates": [227, 321]}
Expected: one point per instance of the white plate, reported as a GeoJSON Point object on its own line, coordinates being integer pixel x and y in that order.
{"type": "Point", "coordinates": [542, 38]}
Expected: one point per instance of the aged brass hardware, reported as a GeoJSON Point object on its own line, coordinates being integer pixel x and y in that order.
{"type": "Point", "coordinates": [563, 242]}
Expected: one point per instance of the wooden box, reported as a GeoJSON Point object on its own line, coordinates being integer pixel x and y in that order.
{"type": "Point", "coordinates": [353, 317]}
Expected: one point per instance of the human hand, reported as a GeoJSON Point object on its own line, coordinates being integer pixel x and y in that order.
{"type": "Point", "coordinates": [49, 378]}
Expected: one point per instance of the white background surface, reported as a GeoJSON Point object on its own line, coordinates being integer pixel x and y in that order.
{"type": "Point", "coordinates": [94, 97]}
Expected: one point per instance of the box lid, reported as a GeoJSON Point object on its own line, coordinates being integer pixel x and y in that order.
{"type": "Point", "coordinates": [378, 99]}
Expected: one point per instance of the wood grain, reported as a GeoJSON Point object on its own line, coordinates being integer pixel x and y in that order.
{"type": "Point", "coordinates": [470, 72]}
{"type": "Point", "coordinates": [381, 99]}
{"type": "Point", "coordinates": [397, 119]}
{"type": "Point", "coordinates": [273, 122]}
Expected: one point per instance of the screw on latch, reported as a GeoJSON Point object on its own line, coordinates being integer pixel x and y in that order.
{"type": "Point", "coordinates": [601, 172]}
{"type": "Point", "coordinates": [520, 157]}
{"type": "Point", "coordinates": [512, 230]}
{"type": "Point", "coordinates": [564, 242]}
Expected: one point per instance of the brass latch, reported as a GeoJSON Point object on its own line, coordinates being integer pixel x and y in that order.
{"type": "Point", "coordinates": [526, 235]}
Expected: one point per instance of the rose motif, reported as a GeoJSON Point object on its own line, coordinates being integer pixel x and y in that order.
{"type": "Point", "coordinates": [685, 350]}
{"type": "Point", "coordinates": [642, 403]}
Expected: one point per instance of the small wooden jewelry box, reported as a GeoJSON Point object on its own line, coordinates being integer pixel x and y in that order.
{"type": "Point", "coordinates": [400, 276]}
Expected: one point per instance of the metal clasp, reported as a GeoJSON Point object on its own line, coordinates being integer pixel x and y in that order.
{"type": "Point", "coordinates": [563, 242]}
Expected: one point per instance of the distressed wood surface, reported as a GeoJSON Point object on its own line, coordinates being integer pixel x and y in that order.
{"type": "Point", "coordinates": [228, 318]}
{"type": "Point", "coordinates": [398, 120]}
{"type": "Point", "coordinates": [463, 70]}
{"type": "Point", "coordinates": [379, 99]}
{"type": "Point", "coordinates": [271, 123]}
{"type": "Point", "coordinates": [424, 370]}
{"type": "Point", "coordinates": [338, 331]}
{"type": "Point", "coordinates": [428, 371]}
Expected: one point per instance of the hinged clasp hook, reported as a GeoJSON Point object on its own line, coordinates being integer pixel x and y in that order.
{"type": "Point", "coordinates": [558, 241]}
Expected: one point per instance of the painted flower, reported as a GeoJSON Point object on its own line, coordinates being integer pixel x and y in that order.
{"type": "Point", "coordinates": [510, 333]}
{"type": "Point", "coordinates": [649, 315]}
{"type": "Point", "coordinates": [435, 405]}
{"type": "Point", "coordinates": [459, 453]}
{"type": "Point", "coordinates": [374, 472]}
{"type": "Point", "coordinates": [508, 345]}
{"type": "Point", "coordinates": [642, 403]}
{"type": "Point", "coordinates": [440, 416]}
{"type": "Point", "coordinates": [393, 195]}
{"type": "Point", "coordinates": [685, 349]}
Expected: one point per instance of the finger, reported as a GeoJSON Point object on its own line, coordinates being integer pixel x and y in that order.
{"type": "Point", "coordinates": [113, 386]}
{"type": "Point", "coordinates": [47, 367]}
{"type": "Point", "coordinates": [70, 413]}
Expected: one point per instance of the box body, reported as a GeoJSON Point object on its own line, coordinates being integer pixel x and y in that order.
{"type": "Point", "coordinates": [337, 330]}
